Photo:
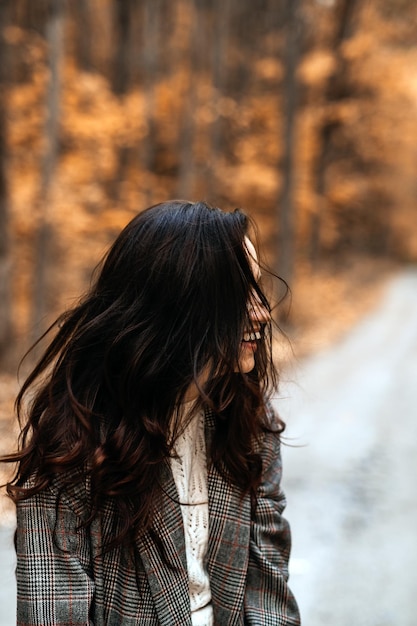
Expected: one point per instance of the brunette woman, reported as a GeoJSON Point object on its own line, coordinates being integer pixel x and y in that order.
{"type": "Point", "coordinates": [148, 477]}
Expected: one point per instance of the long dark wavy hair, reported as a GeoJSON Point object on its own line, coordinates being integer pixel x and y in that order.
{"type": "Point", "coordinates": [167, 310]}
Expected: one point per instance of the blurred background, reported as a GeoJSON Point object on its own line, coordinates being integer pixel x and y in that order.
{"type": "Point", "coordinates": [301, 112]}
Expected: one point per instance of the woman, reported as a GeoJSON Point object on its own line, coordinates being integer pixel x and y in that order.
{"type": "Point", "coordinates": [148, 480]}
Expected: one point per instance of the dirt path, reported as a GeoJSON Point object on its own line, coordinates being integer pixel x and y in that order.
{"type": "Point", "coordinates": [351, 487]}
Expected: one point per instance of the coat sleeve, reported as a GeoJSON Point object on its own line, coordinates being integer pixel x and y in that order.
{"type": "Point", "coordinates": [268, 599]}
{"type": "Point", "coordinates": [54, 584]}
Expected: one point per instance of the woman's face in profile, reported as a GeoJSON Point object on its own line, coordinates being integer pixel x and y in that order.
{"type": "Point", "coordinates": [258, 316]}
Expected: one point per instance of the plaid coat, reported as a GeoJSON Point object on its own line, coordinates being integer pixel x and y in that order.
{"type": "Point", "coordinates": [64, 580]}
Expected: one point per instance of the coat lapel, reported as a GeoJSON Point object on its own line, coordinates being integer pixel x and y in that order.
{"type": "Point", "coordinates": [227, 555]}
{"type": "Point", "coordinates": [168, 585]}
{"type": "Point", "coordinates": [228, 552]}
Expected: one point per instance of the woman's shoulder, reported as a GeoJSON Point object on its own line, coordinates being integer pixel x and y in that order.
{"type": "Point", "coordinates": [67, 490]}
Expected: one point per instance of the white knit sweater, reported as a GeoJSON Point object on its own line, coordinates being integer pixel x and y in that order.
{"type": "Point", "coordinates": [190, 474]}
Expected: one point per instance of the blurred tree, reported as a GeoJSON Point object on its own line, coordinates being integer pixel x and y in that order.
{"type": "Point", "coordinates": [150, 56]}
{"type": "Point", "coordinates": [5, 298]}
{"type": "Point", "coordinates": [122, 58]}
{"type": "Point", "coordinates": [336, 89]}
{"type": "Point", "coordinates": [286, 205]}
{"type": "Point", "coordinates": [121, 77]}
{"type": "Point", "coordinates": [83, 33]}
{"type": "Point", "coordinates": [194, 62]}
{"type": "Point", "coordinates": [54, 37]}
{"type": "Point", "coordinates": [223, 15]}
{"type": "Point", "coordinates": [32, 15]}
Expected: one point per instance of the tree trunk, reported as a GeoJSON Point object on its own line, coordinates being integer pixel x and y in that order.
{"type": "Point", "coordinates": [5, 297]}
{"type": "Point", "coordinates": [336, 89]}
{"type": "Point", "coordinates": [54, 35]}
{"type": "Point", "coordinates": [222, 16]}
{"type": "Point", "coordinates": [151, 30]}
{"type": "Point", "coordinates": [121, 83]}
{"type": "Point", "coordinates": [187, 169]}
{"type": "Point", "coordinates": [121, 70]}
{"type": "Point", "coordinates": [31, 15]}
{"type": "Point", "coordinates": [83, 34]}
{"type": "Point", "coordinates": [286, 208]}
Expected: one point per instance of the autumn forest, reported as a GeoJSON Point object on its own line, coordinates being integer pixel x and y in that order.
{"type": "Point", "coordinates": [302, 112]}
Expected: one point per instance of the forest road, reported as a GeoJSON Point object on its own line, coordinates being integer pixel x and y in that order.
{"type": "Point", "coordinates": [351, 485]}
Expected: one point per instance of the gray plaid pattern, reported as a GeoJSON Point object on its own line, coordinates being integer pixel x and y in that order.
{"type": "Point", "coordinates": [64, 580]}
